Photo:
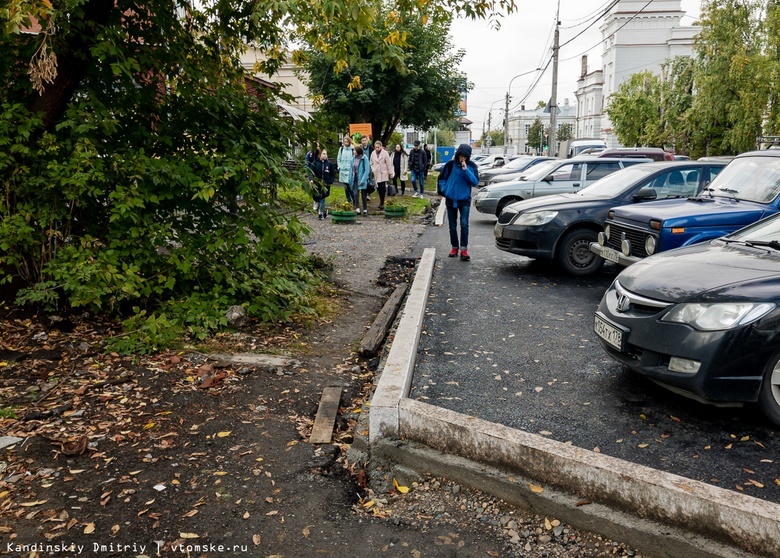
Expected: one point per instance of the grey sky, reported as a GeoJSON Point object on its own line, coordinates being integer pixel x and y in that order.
{"type": "Point", "coordinates": [523, 44]}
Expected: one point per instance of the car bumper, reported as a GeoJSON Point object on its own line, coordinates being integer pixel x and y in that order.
{"type": "Point", "coordinates": [486, 205]}
{"type": "Point", "coordinates": [532, 242]}
{"type": "Point", "coordinates": [731, 362]}
{"type": "Point", "coordinates": [612, 255]}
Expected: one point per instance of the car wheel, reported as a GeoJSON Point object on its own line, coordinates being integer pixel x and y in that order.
{"type": "Point", "coordinates": [769, 396]}
{"type": "Point", "coordinates": [574, 255]}
{"type": "Point", "coordinates": [505, 202]}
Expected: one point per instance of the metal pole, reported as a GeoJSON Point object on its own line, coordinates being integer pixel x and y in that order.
{"type": "Point", "coordinates": [490, 114]}
{"type": "Point", "coordinates": [552, 150]}
{"type": "Point", "coordinates": [506, 121]}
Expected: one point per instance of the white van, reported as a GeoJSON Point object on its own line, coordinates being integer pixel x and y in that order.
{"type": "Point", "coordinates": [572, 148]}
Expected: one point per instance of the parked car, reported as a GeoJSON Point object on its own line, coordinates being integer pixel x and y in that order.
{"type": "Point", "coordinates": [561, 176]}
{"type": "Point", "coordinates": [513, 168]}
{"type": "Point", "coordinates": [562, 227]}
{"type": "Point", "coordinates": [475, 159]}
{"type": "Point", "coordinates": [704, 320]}
{"type": "Point", "coordinates": [654, 153]}
{"type": "Point", "coordinates": [492, 161]}
{"type": "Point", "coordinates": [745, 191]}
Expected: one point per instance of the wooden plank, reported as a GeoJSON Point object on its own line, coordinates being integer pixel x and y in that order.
{"type": "Point", "coordinates": [326, 416]}
{"type": "Point", "coordinates": [378, 330]}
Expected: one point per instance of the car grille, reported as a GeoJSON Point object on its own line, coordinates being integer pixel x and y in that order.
{"type": "Point", "coordinates": [637, 239]}
{"type": "Point", "coordinates": [503, 243]}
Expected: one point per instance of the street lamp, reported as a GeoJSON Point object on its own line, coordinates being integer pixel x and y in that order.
{"type": "Point", "coordinates": [506, 110]}
{"type": "Point", "coordinates": [490, 114]}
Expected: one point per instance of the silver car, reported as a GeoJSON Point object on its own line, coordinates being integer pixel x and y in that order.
{"type": "Point", "coordinates": [563, 176]}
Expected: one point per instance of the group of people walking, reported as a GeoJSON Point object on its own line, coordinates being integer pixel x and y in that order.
{"type": "Point", "coordinates": [359, 169]}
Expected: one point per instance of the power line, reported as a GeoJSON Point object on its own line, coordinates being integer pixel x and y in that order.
{"type": "Point", "coordinates": [598, 12]}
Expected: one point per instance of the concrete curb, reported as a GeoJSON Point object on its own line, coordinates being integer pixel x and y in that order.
{"type": "Point", "coordinates": [749, 523]}
{"type": "Point", "coordinates": [440, 213]}
{"type": "Point", "coordinates": [396, 379]}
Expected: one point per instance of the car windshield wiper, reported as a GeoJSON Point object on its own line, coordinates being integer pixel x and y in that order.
{"type": "Point", "coordinates": [774, 244]}
{"type": "Point", "coordinates": [728, 191]}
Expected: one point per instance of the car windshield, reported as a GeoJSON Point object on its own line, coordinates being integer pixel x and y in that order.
{"type": "Point", "coordinates": [616, 183]}
{"type": "Point", "coordinates": [764, 231]}
{"type": "Point", "coordinates": [541, 170]}
{"type": "Point", "coordinates": [518, 164]}
{"type": "Point", "coordinates": [749, 178]}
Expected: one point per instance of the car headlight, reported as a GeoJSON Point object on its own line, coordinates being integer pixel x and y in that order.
{"type": "Point", "coordinates": [650, 245]}
{"type": "Point", "coordinates": [717, 316]}
{"type": "Point", "coordinates": [535, 218]}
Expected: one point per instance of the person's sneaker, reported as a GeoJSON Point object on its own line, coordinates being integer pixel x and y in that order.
{"type": "Point", "coordinates": [365, 212]}
{"type": "Point", "coordinates": [314, 207]}
{"type": "Point", "coordinates": [381, 207]}
{"type": "Point", "coordinates": [464, 255]}
{"type": "Point", "coordinates": [320, 217]}
{"type": "Point", "coordinates": [454, 253]}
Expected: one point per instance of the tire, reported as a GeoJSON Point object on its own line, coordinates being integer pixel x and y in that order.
{"type": "Point", "coordinates": [505, 202]}
{"type": "Point", "coordinates": [769, 396]}
{"type": "Point", "coordinates": [574, 255]}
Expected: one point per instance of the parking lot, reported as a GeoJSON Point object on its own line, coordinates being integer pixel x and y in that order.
{"type": "Point", "coordinates": [510, 340]}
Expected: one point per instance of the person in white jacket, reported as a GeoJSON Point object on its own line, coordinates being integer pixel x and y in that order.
{"type": "Point", "coordinates": [344, 163]}
{"type": "Point", "coordinates": [382, 167]}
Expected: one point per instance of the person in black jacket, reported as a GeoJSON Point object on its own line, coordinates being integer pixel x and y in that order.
{"type": "Point", "coordinates": [324, 173]}
{"type": "Point", "coordinates": [418, 163]}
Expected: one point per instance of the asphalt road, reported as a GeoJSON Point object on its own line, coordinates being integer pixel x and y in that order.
{"type": "Point", "coordinates": [510, 340]}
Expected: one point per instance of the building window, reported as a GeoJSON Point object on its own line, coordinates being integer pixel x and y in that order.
{"type": "Point", "coordinates": [410, 137]}
{"type": "Point", "coordinates": [527, 129]}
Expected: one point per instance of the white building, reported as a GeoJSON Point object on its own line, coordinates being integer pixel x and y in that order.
{"type": "Point", "coordinates": [287, 78]}
{"type": "Point", "coordinates": [635, 40]}
{"type": "Point", "coordinates": [520, 122]}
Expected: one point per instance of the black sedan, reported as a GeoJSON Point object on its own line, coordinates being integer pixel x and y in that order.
{"type": "Point", "coordinates": [561, 227]}
{"type": "Point", "coordinates": [704, 320]}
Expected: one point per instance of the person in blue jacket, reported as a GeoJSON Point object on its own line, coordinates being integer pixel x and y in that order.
{"type": "Point", "coordinates": [359, 174]}
{"type": "Point", "coordinates": [456, 179]}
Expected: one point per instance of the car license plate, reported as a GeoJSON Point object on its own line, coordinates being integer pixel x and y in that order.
{"type": "Point", "coordinates": [610, 255]}
{"type": "Point", "coordinates": [609, 333]}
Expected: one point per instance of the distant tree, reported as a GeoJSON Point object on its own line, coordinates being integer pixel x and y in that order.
{"type": "Point", "coordinates": [634, 110]}
{"type": "Point", "coordinates": [444, 137]}
{"type": "Point", "coordinates": [425, 90]}
{"type": "Point", "coordinates": [536, 135]}
{"type": "Point", "coordinates": [497, 137]}
{"type": "Point", "coordinates": [676, 103]}
{"type": "Point", "coordinates": [565, 132]}
{"type": "Point", "coordinates": [733, 79]}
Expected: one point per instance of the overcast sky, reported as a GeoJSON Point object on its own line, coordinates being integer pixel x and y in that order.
{"type": "Point", "coordinates": [523, 44]}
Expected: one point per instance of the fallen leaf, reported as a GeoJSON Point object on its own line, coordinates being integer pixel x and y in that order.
{"type": "Point", "coordinates": [246, 515]}
{"type": "Point", "coordinates": [744, 438]}
{"type": "Point", "coordinates": [31, 504]}
{"type": "Point", "coordinates": [536, 488]}
{"type": "Point", "coordinates": [547, 524]}
{"type": "Point", "coordinates": [89, 529]}
{"type": "Point", "coordinates": [756, 483]}
{"type": "Point", "coordinates": [643, 445]}
{"type": "Point", "coordinates": [220, 473]}
{"type": "Point", "coordinates": [256, 539]}
{"type": "Point", "coordinates": [149, 425]}
{"type": "Point", "coordinates": [643, 416]}
{"type": "Point", "coordinates": [274, 512]}
{"type": "Point", "coordinates": [114, 529]}
{"type": "Point", "coordinates": [189, 535]}
{"type": "Point", "coordinates": [224, 433]}
{"type": "Point", "coordinates": [674, 418]}
{"type": "Point", "coordinates": [399, 488]}
{"type": "Point", "coordinates": [307, 531]}
{"type": "Point", "coordinates": [190, 513]}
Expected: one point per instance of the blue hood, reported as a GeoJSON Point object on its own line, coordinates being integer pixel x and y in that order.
{"type": "Point", "coordinates": [701, 212]}
{"type": "Point", "coordinates": [463, 149]}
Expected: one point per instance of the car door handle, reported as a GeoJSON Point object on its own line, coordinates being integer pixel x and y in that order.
{"type": "Point", "coordinates": [576, 184]}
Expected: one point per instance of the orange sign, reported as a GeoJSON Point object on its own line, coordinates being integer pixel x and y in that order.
{"type": "Point", "coordinates": [363, 129]}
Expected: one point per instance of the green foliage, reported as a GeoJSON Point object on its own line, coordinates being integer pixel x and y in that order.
{"type": "Point", "coordinates": [536, 134]}
{"type": "Point", "coordinates": [423, 90]}
{"type": "Point", "coordinates": [634, 110]}
{"type": "Point", "coordinates": [7, 413]}
{"type": "Point", "coordinates": [497, 137]}
{"type": "Point", "coordinates": [565, 132]}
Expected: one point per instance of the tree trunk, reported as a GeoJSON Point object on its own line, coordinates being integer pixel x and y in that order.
{"type": "Point", "coordinates": [73, 62]}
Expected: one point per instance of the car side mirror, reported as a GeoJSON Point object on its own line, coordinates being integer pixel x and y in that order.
{"type": "Point", "coordinates": [549, 178]}
{"type": "Point", "coordinates": [646, 194]}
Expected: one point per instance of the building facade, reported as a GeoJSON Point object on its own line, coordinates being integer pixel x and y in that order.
{"type": "Point", "coordinates": [637, 36]}
{"type": "Point", "coordinates": [520, 122]}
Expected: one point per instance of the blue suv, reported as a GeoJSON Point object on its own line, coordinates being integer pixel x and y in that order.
{"type": "Point", "coordinates": [748, 189]}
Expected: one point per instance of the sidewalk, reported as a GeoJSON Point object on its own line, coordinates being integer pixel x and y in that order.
{"type": "Point", "coordinates": [551, 477]}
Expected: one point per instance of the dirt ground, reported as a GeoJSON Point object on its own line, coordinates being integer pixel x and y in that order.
{"type": "Point", "coordinates": [187, 453]}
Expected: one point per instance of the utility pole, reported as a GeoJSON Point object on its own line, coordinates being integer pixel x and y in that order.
{"type": "Point", "coordinates": [490, 114]}
{"type": "Point", "coordinates": [554, 97]}
{"type": "Point", "coordinates": [506, 121]}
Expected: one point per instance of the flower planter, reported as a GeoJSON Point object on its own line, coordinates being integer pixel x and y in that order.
{"type": "Point", "coordinates": [343, 216]}
{"type": "Point", "coordinates": [394, 212]}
